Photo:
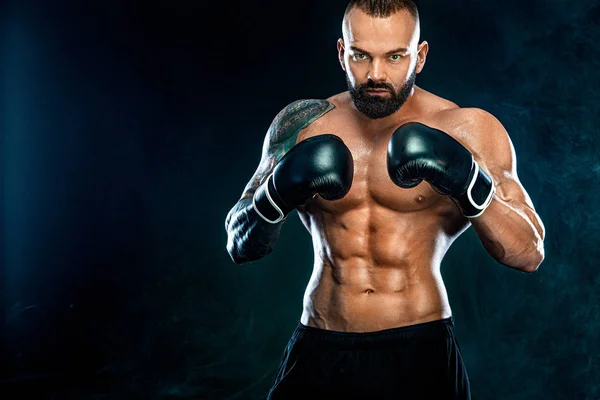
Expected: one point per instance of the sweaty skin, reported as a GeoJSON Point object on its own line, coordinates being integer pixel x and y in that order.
{"type": "Point", "coordinates": [378, 250]}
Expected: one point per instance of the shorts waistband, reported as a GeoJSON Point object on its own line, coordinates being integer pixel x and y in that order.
{"type": "Point", "coordinates": [426, 330]}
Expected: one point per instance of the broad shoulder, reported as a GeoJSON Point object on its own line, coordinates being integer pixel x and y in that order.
{"type": "Point", "coordinates": [473, 127]}
{"type": "Point", "coordinates": [449, 115]}
{"type": "Point", "coordinates": [338, 112]}
{"type": "Point", "coordinates": [469, 116]}
{"type": "Point", "coordinates": [480, 132]}
{"type": "Point", "coordinates": [296, 116]}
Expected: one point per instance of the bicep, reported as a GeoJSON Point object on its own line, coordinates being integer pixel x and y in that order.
{"type": "Point", "coordinates": [264, 169]}
{"type": "Point", "coordinates": [273, 148]}
{"type": "Point", "coordinates": [501, 163]}
{"type": "Point", "coordinates": [499, 159]}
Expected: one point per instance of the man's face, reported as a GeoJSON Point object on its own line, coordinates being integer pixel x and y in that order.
{"type": "Point", "coordinates": [381, 57]}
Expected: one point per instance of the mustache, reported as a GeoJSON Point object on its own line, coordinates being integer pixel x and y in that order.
{"type": "Point", "coordinates": [374, 85]}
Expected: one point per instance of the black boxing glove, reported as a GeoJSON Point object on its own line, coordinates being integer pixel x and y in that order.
{"type": "Point", "coordinates": [318, 165]}
{"type": "Point", "coordinates": [417, 152]}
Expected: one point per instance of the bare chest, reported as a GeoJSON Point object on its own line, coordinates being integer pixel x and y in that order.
{"type": "Point", "coordinates": [371, 185]}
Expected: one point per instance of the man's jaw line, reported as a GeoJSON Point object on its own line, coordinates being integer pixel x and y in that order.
{"type": "Point", "coordinates": [390, 118]}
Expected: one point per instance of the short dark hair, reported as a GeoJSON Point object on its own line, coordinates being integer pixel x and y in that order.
{"type": "Point", "coordinates": [383, 8]}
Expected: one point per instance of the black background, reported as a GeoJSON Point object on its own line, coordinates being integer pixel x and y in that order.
{"type": "Point", "coordinates": [131, 128]}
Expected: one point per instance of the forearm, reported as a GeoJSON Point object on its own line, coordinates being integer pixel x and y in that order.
{"type": "Point", "coordinates": [249, 237]}
{"type": "Point", "coordinates": [511, 233]}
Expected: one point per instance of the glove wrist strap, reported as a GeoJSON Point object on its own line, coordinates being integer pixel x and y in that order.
{"type": "Point", "coordinates": [265, 206]}
{"type": "Point", "coordinates": [479, 194]}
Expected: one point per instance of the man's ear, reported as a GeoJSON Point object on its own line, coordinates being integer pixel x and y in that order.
{"type": "Point", "coordinates": [421, 55]}
{"type": "Point", "coordinates": [341, 51]}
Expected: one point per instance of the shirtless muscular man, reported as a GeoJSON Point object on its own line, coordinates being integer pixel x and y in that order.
{"type": "Point", "coordinates": [385, 177]}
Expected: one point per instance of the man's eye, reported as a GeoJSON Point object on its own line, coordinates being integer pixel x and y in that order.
{"type": "Point", "coordinates": [395, 57]}
{"type": "Point", "coordinates": [360, 56]}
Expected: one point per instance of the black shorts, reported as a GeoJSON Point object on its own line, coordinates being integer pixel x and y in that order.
{"type": "Point", "coordinates": [416, 362]}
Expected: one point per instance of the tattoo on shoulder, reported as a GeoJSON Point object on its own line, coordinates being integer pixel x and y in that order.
{"type": "Point", "coordinates": [283, 133]}
{"type": "Point", "coordinates": [297, 116]}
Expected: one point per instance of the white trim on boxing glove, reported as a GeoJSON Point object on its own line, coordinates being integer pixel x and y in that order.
{"type": "Point", "coordinates": [487, 201]}
{"type": "Point", "coordinates": [275, 206]}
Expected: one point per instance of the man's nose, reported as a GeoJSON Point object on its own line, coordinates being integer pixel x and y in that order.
{"type": "Point", "coordinates": [377, 72]}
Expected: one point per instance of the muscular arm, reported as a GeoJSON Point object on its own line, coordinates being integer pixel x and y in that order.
{"type": "Point", "coordinates": [509, 229]}
{"type": "Point", "coordinates": [249, 237]}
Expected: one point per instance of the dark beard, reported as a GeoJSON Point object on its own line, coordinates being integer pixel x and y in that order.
{"type": "Point", "coordinates": [376, 107]}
